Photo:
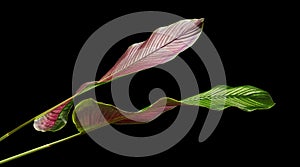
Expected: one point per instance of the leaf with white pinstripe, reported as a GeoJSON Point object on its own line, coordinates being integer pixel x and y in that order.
{"type": "Point", "coordinates": [164, 44]}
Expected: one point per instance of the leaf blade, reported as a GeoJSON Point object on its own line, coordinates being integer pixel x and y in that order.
{"type": "Point", "coordinates": [57, 118]}
{"type": "Point", "coordinates": [54, 120]}
{"type": "Point", "coordinates": [87, 115]}
{"type": "Point", "coordinates": [247, 98]}
{"type": "Point", "coordinates": [90, 114]}
{"type": "Point", "coordinates": [164, 44]}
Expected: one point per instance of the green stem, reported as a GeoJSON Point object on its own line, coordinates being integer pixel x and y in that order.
{"type": "Point", "coordinates": [43, 113]}
{"type": "Point", "coordinates": [40, 148]}
{"type": "Point", "coordinates": [16, 129]}
{"type": "Point", "coordinates": [32, 119]}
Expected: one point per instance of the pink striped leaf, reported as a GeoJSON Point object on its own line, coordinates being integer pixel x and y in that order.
{"type": "Point", "coordinates": [57, 118]}
{"type": "Point", "coordinates": [164, 44]}
{"type": "Point", "coordinates": [54, 120]}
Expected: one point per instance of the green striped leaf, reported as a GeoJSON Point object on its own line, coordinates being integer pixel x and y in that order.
{"type": "Point", "coordinates": [90, 114]}
{"type": "Point", "coordinates": [247, 98]}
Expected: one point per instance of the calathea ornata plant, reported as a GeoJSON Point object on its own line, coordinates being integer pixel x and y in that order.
{"type": "Point", "coordinates": [164, 44]}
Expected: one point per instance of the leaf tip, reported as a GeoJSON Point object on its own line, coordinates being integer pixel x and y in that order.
{"type": "Point", "coordinates": [37, 127]}
{"type": "Point", "coordinates": [200, 23]}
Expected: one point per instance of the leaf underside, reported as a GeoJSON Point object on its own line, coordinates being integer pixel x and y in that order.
{"type": "Point", "coordinates": [90, 114]}
{"type": "Point", "coordinates": [54, 120]}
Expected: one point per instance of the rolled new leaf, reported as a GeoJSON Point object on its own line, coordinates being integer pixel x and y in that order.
{"type": "Point", "coordinates": [89, 114]}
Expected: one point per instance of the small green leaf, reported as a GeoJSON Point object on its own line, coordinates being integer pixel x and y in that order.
{"type": "Point", "coordinates": [54, 120]}
{"type": "Point", "coordinates": [247, 98]}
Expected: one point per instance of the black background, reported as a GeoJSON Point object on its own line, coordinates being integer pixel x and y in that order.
{"type": "Point", "coordinates": [40, 43]}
